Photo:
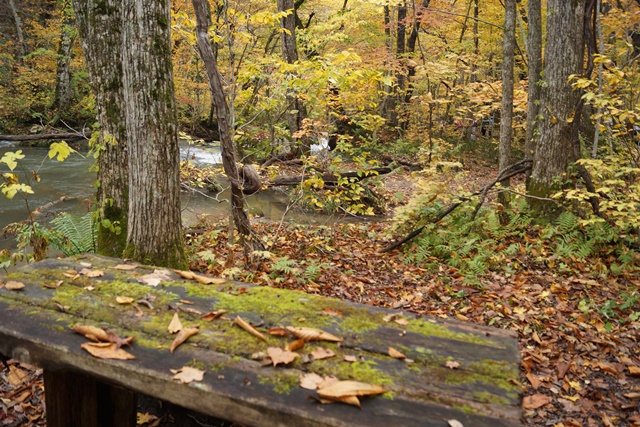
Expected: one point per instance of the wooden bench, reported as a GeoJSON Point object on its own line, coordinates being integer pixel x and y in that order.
{"type": "Point", "coordinates": [456, 371]}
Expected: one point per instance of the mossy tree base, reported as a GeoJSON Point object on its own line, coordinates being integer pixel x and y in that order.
{"type": "Point", "coordinates": [34, 327]}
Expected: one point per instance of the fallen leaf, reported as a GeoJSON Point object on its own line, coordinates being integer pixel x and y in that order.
{"type": "Point", "coordinates": [279, 355]}
{"type": "Point", "coordinates": [119, 342]}
{"type": "Point", "coordinates": [145, 418]}
{"type": "Point", "coordinates": [200, 279]}
{"type": "Point", "coordinates": [452, 364]}
{"type": "Point", "coordinates": [91, 332]}
{"type": "Point", "coordinates": [17, 376]}
{"type": "Point", "coordinates": [310, 381]}
{"type": "Point", "coordinates": [247, 327]}
{"type": "Point", "coordinates": [390, 317]}
{"type": "Point", "coordinates": [332, 312]}
{"type": "Point", "coordinates": [125, 267]}
{"type": "Point", "coordinates": [182, 336]}
{"type": "Point", "coordinates": [175, 325]}
{"type": "Point", "coordinates": [89, 288]}
{"type": "Point", "coordinates": [311, 334]}
{"type": "Point", "coordinates": [184, 301]}
{"type": "Point", "coordinates": [634, 370]}
{"type": "Point", "coordinates": [342, 389]}
{"type": "Point", "coordinates": [213, 315]}
{"type": "Point", "coordinates": [535, 382]}
{"type": "Point", "coordinates": [350, 358]}
{"type": "Point", "coordinates": [396, 354]}
{"type": "Point", "coordinates": [455, 423]}
{"type": "Point", "coordinates": [91, 273]}
{"type": "Point", "coordinates": [72, 275]}
{"type": "Point", "coordinates": [187, 374]}
{"type": "Point", "coordinates": [279, 332]}
{"type": "Point", "coordinates": [106, 351]}
{"type": "Point", "coordinates": [154, 279]}
{"type": "Point", "coordinates": [295, 345]}
{"type": "Point", "coordinates": [401, 321]}
{"type": "Point", "coordinates": [14, 286]}
{"type": "Point", "coordinates": [322, 353]}
{"type": "Point", "coordinates": [535, 401]}
{"type": "Point", "coordinates": [124, 300]}
{"type": "Point", "coordinates": [56, 286]}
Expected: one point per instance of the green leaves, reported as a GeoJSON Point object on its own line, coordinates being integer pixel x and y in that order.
{"type": "Point", "coordinates": [60, 150]}
{"type": "Point", "coordinates": [10, 190]}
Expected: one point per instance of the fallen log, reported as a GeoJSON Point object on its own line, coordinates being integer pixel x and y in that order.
{"type": "Point", "coordinates": [43, 137]}
{"type": "Point", "coordinates": [330, 179]}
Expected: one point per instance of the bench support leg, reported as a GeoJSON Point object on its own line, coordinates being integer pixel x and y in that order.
{"type": "Point", "coordinates": [73, 399]}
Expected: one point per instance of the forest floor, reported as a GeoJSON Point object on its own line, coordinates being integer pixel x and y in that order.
{"type": "Point", "coordinates": [578, 330]}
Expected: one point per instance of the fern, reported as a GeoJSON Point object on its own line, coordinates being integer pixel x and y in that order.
{"type": "Point", "coordinates": [284, 265]}
{"type": "Point", "coordinates": [74, 234]}
{"type": "Point", "coordinates": [313, 270]}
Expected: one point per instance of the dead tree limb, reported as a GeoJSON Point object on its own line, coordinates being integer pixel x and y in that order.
{"type": "Point", "coordinates": [509, 172]}
{"type": "Point", "coordinates": [42, 137]}
{"type": "Point", "coordinates": [331, 179]}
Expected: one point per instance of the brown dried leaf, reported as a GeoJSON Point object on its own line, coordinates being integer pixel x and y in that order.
{"type": "Point", "coordinates": [190, 275]}
{"type": "Point", "coordinates": [247, 327]}
{"type": "Point", "coordinates": [634, 370]}
{"type": "Point", "coordinates": [91, 273]}
{"type": "Point", "coordinates": [295, 345]}
{"type": "Point", "coordinates": [14, 286]}
{"type": "Point", "coordinates": [56, 286]}
{"type": "Point", "coordinates": [533, 379]}
{"type": "Point", "coordinates": [279, 332]}
{"type": "Point", "coordinates": [535, 401]}
{"type": "Point", "coordinates": [454, 423]}
{"type": "Point", "coordinates": [349, 400]}
{"type": "Point", "coordinates": [91, 332]}
{"type": "Point", "coordinates": [154, 279]}
{"type": "Point", "coordinates": [332, 312]}
{"type": "Point", "coordinates": [311, 334]}
{"type": "Point", "coordinates": [188, 374]}
{"type": "Point", "coordinates": [401, 321]}
{"type": "Point", "coordinates": [396, 354]}
{"type": "Point", "coordinates": [125, 267]}
{"type": "Point", "coordinates": [106, 351]}
{"type": "Point", "coordinates": [175, 325]}
{"type": "Point", "coordinates": [310, 381]}
{"type": "Point", "coordinates": [342, 389]}
{"type": "Point", "coordinates": [17, 376]}
{"type": "Point", "coordinates": [350, 358]}
{"type": "Point", "coordinates": [119, 342]}
{"type": "Point", "coordinates": [452, 364]}
{"type": "Point", "coordinates": [279, 355]}
{"type": "Point", "coordinates": [213, 315]}
{"type": "Point", "coordinates": [322, 353]}
{"type": "Point", "coordinates": [182, 336]}
{"type": "Point", "coordinates": [124, 300]}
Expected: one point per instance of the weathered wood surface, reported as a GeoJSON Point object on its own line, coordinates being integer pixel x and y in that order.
{"type": "Point", "coordinates": [483, 391]}
{"type": "Point", "coordinates": [43, 137]}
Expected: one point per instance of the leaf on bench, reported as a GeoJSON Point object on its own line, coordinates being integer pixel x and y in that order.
{"type": "Point", "coordinates": [91, 273]}
{"type": "Point", "coordinates": [247, 327]}
{"type": "Point", "coordinates": [182, 336]}
{"type": "Point", "coordinates": [190, 275]}
{"type": "Point", "coordinates": [347, 391]}
{"type": "Point", "coordinates": [106, 351]}
{"type": "Point", "coordinates": [14, 286]}
{"type": "Point", "coordinates": [396, 354]}
{"type": "Point", "coordinates": [91, 332]}
{"type": "Point", "coordinates": [322, 353]}
{"type": "Point", "coordinates": [279, 355]}
{"type": "Point", "coordinates": [176, 325]}
{"type": "Point", "coordinates": [187, 374]}
{"type": "Point", "coordinates": [213, 315]}
{"type": "Point", "coordinates": [312, 334]}
{"type": "Point", "coordinates": [154, 279]}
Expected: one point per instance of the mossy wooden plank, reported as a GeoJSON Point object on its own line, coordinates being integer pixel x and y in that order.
{"type": "Point", "coordinates": [483, 391]}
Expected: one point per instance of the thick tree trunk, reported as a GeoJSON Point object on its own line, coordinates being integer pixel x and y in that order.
{"type": "Point", "coordinates": [154, 232]}
{"type": "Point", "coordinates": [295, 108]}
{"type": "Point", "coordinates": [100, 26]}
{"type": "Point", "coordinates": [534, 53]}
{"type": "Point", "coordinates": [564, 56]}
{"type": "Point", "coordinates": [63, 73]}
{"type": "Point", "coordinates": [203, 17]}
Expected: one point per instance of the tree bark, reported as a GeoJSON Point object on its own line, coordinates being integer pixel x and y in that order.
{"type": "Point", "coordinates": [534, 54]}
{"type": "Point", "coordinates": [506, 114]}
{"type": "Point", "coordinates": [19, 33]}
{"type": "Point", "coordinates": [564, 56]}
{"type": "Point", "coordinates": [100, 27]}
{"type": "Point", "coordinates": [63, 73]}
{"type": "Point", "coordinates": [154, 232]}
{"type": "Point", "coordinates": [295, 108]}
{"type": "Point", "coordinates": [203, 18]}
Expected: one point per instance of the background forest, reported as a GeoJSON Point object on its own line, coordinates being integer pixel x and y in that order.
{"type": "Point", "coordinates": [517, 163]}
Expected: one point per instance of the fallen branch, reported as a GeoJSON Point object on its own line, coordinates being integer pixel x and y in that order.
{"type": "Point", "coordinates": [331, 179]}
{"type": "Point", "coordinates": [42, 137]}
{"type": "Point", "coordinates": [509, 172]}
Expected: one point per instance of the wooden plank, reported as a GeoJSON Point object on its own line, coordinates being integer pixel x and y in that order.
{"type": "Point", "coordinates": [482, 392]}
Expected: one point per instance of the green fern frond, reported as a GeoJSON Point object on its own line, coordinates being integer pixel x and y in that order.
{"type": "Point", "coordinates": [78, 233]}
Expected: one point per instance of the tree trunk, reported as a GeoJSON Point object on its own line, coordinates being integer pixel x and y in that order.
{"type": "Point", "coordinates": [18, 23]}
{"type": "Point", "coordinates": [154, 228]}
{"type": "Point", "coordinates": [534, 53]}
{"type": "Point", "coordinates": [476, 42]}
{"type": "Point", "coordinates": [100, 26]}
{"type": "Point", "coordinates": [295, 108]}
{"type": "Point", "coordinates": [563, 57]}
{"type": "Point", "coordinates": [203, 17]}
{"type": "Point", "coordinates": [63, 73]}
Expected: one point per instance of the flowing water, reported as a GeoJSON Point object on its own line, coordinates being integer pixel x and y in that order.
{"type": "Point", "coordinates": [73, 180]}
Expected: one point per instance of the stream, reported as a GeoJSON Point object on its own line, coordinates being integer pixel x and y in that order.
{"type": "Point", "coordinates": [73, 180]}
